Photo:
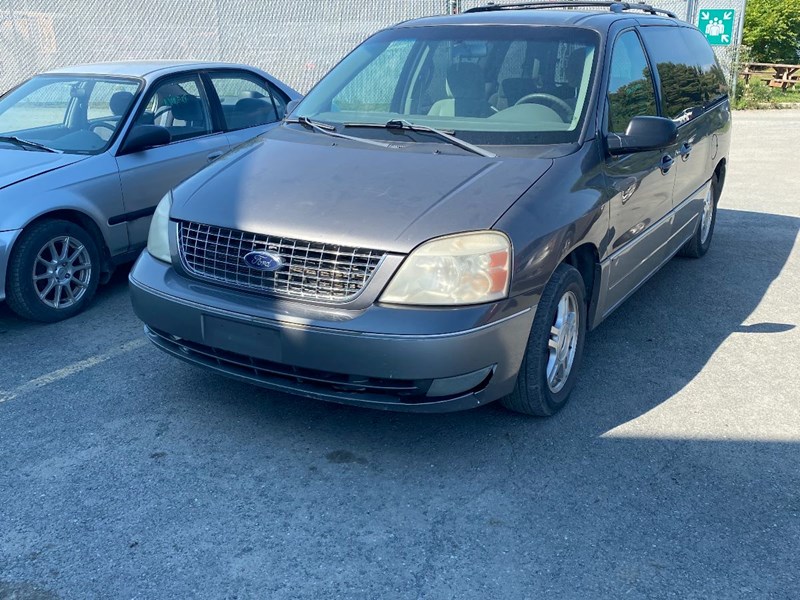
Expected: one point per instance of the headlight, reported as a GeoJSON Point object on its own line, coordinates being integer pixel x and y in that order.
{"type": "Point", "coordinates": [468, 268]}
{"type": "Point", "coordinates": [158, 238]}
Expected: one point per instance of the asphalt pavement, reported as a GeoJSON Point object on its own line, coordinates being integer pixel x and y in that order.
{"type": "Point", "coordinates": [673, 473]}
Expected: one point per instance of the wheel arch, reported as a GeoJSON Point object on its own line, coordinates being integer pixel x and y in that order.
{"type": "Point", "coordinates": [81, 219]}
{"type": "Point", "coordinates": [585, 258]}
{"type": "Point", "coordinates": [720, 170]}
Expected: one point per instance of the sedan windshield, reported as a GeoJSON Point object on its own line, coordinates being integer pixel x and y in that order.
{"type": "Point", "coordinates": [65, 113]}
{"type": "Point", "coordinates": [491, 85]}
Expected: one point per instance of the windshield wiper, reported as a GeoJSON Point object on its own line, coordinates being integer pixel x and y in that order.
{"type": "Point", "coordinates": [444, 135]}
{"type": "Point", "coordinates": [12, 139]}
{"type": "Point", "coordinates": [329, 129]}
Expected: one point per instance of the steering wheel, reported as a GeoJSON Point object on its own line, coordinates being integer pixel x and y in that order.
{"type": "Point", "coordinates": [103, 125]}
{"type": "Point", "coordinates": [563, 109]}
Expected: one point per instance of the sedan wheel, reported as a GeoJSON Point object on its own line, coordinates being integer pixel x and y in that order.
{"type": "Point", "coordinates": [53, 272]}
{"type": "Point", "coordinates": [62, 272]}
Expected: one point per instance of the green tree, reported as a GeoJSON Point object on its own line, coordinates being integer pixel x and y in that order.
{"type": "Point", "coordinates": [772, 30]}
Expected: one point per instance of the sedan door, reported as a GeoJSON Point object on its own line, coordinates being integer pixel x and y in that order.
{"type": "Point", "coordinates": [250, 105]}
{"type": "Point", "coordinates": [180, 105]}
{"type": "Point", "coordinates": [642, 182]}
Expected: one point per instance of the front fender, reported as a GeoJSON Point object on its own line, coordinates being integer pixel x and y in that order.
{"type": "Point", "coordinates": [566, 208]}
{"type": "Point", "coordinates": [90, 187]}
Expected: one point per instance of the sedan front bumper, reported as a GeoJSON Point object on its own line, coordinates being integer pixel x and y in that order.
{"type": "Point", "coordinates": [409, 359]}
{"type": "Point", "coordinates": [7, 239]}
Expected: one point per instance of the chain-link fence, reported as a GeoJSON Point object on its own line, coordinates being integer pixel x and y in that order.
{"type": "Point", "coordinates": [296, 42]}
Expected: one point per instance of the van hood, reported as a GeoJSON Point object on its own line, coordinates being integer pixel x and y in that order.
{"type": "Point", "coordinates": [307, 186]}
{"type": "Point", "coordinates": [18, 165]}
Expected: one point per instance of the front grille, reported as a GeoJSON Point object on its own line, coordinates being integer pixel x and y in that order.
{"type": "Point", "coordinates": [310, 270]}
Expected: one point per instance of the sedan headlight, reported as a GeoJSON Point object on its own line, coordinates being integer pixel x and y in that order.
{"type": "Point", "coordinates": [158, 238]}
{"type": "Point", "coordinates": [468, 268]}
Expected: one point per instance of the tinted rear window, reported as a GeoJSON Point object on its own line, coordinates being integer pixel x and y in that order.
{"type": "Point", "coordinates": [691, 78]}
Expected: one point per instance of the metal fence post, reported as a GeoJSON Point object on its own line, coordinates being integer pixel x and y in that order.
{"type": "Point", "coordinates": [453, 7]}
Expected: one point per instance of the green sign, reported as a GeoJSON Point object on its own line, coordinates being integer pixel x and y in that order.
{"type": "Point", "coordinates": [717, 26]}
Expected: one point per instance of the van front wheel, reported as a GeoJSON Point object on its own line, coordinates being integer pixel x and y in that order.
{"type": "Point", "coordinates": [555, 347]}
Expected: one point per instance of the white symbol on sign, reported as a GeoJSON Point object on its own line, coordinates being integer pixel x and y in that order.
{"type": "Point", "coordinates": [715, 28]}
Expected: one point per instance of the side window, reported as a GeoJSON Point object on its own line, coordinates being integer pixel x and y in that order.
{"type": "Point", "coordinates": [178, 105]}
{"type": "Point", "coordinates": [678, 70]}
{"type": "Point", "coordinates": [712, 77]}
{"type": "Point", "coordinates": [630, 86]}
{"type": "Point", "coordinates": [247, 100]}
{"type": "Point", "coordinates": [372, 90]}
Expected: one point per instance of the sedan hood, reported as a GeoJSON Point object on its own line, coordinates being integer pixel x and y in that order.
{"type": "Point", "coordinates": [311, 187]}
{"type": "Point", "coordinates": [19, 165]}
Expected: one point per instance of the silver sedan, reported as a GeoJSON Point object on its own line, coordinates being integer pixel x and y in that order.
{"type": "Point", "coordinates": [87, 152]}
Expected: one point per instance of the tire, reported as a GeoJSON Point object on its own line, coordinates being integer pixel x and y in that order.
{"type": "Point", "coordinates": [701, 240]}
{"type": "Point", "coordinates": [31, 270]}
{"type": "Point", "coordinates": [534, 394]}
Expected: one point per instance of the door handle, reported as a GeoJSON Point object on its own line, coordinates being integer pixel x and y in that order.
{"type": "Point", "coordinates": [685, 151]}
{"type": "Point", "coordinates": [666, 163]}
{"type": "Point", "coordinates": [214, 155]}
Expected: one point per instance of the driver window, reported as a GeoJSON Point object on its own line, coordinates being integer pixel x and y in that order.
{"type": "Point", "coordinates": [177, 105]}
{"type": "Point", "coordinates": [630, 87]}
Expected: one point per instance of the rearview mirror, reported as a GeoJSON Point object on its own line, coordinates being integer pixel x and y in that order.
{"type": "Point", "coordinates": [643, 133]}
{"type": "Point", "coordinates": [143, 137]}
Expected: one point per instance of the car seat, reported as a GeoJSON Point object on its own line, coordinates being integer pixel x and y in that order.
{"type": "Point", "coordinates": [466, 86]}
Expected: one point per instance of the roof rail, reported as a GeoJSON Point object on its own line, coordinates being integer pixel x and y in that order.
{"type": "Point", "coordinates": [614, 5]}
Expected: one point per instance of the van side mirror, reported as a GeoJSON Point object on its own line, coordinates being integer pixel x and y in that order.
{"type": "Point", "coordinates": [143, 137]}
{"type": "Point", "coordinates": [643, 133]}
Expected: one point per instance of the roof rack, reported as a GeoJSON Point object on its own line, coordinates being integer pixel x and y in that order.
{"type": "Point", "coordinates": [614, 5]}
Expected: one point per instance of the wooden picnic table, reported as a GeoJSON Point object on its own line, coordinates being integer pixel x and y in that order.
{"type": "Point", "coordinates": [774, 74]}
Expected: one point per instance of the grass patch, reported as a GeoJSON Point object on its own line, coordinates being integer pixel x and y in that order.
{"type": "Point", "coordinates": [757, 94]}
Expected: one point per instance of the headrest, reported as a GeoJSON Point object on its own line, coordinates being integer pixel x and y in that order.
{"type": "Point", "coordinates": [574, 67]}
{"type": "Point", "coordinates": [253, 105]}
{"type": "Point", "coordinates": [465, 80]}
{"type": "Point", "coordinates": [119, 102]}
{"type": "Point", "coordinates": [188, 109]}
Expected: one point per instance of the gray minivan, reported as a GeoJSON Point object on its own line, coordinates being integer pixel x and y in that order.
{"type": "Point", "coordinates": [444, 216]}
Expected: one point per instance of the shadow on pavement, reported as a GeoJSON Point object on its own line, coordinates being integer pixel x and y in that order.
{"type": "Point", "coordinates": [204, 483]}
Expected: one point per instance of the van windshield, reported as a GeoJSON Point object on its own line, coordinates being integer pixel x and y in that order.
{"type": "Point", "coordinates": [495, 85]}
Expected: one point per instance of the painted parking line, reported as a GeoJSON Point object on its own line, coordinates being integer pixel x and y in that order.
{"type": "Point", "coordinates": [69, 370]}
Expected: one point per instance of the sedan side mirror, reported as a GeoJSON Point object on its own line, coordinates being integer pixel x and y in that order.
{"type": "Point", "coordinates": [143, 137]}
{"type": "Point", "coordinates": [643, 133]}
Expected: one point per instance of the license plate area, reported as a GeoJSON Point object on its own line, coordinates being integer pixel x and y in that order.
{"type": "Point", "coordinates": [242, 338]}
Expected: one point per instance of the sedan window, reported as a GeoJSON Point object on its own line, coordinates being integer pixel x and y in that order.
{"type": "Point", "coordinates": [247, 101]}
{"type": "Point", "coordinates": [177, 105]}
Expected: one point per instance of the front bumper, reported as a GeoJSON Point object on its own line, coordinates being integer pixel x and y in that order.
{"type": "Point", "coordinates": [7, 239]}
{"type": "Point", "coordinates": [411, 359]}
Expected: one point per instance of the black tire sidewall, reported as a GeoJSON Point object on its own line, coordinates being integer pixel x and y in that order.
{"type": "Point", "coordinates": [573, 282]}
{"type": "Point", "coordinates": [21, 294]}
{"type": "Point", "coordinates": [703, 247]}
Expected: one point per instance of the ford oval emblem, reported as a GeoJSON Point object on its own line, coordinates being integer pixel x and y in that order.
{"type": "Point", "coordinates": [263, 261]}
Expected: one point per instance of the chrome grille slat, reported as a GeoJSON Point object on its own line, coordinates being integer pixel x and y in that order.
{"type": "Point", "coordinates": [312, 270]}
